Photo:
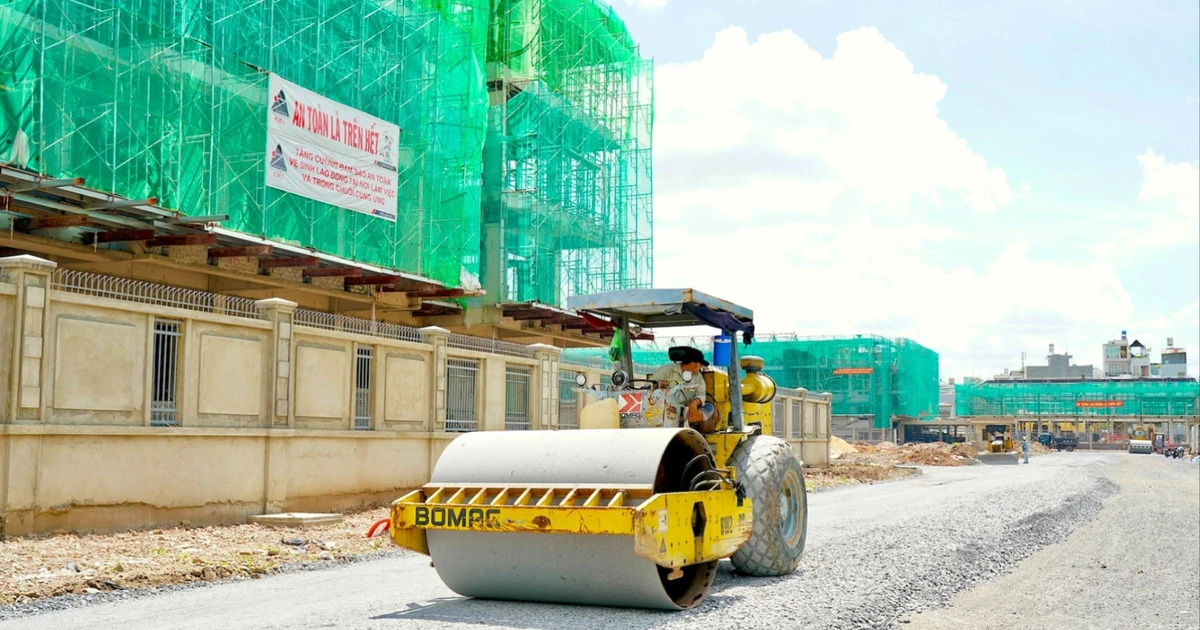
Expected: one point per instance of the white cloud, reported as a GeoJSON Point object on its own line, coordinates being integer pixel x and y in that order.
{"type": "Point", "coordinates": [1171, 197]}
{"type": "Point", "coordinates": [862, 120]}
{"type": "Point", "coordinates": [817, 189]}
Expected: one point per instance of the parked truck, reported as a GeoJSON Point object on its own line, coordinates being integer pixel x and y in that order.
{"type": "Point", "coordinates": [1065, 441]}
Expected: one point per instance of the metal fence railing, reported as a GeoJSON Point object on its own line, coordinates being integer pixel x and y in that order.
{"type": "Point", "coordinates": [778, 417]}
{"type": "Point", "coordinates": [362, 388]}
{"type": "Point", "coordinates": [568, 400]}
{"type": "Point", "coordinates": [342, 323]}
{"type": "Point", "coordinates": [164, 405]}
{"type": "Point", "coordinates": [797, 417]}
{"type": "Point", "coordinates": [516, 397]}
{"type": "Point", "coordinates": [85, 283]}
{"type": "Point", "coordinates": [461, 390]}
{"type": "Point", "coordinates": [491, 346]}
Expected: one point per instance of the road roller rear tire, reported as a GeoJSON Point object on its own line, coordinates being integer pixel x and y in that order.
{"type": "Point", "coordinates": [773, 478]}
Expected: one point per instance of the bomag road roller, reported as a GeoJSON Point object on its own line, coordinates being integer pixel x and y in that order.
{"type": "Point", "coordinates": [1141, 439]}
{"type": "Point", "coordinates": [637, 507]}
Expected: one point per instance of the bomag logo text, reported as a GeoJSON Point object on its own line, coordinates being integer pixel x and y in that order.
{"type": "Point", "coordinates": [453, 517]}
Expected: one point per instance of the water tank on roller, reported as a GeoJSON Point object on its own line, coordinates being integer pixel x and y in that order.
{"type": "Point", "coordinates": [721, 350]}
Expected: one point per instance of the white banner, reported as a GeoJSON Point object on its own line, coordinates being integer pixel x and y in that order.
{"type": "Point", "coordinates": [329, 152]}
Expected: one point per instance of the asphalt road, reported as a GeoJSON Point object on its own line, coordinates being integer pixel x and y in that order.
{"type": "Point", "coordinates": [878, 556]}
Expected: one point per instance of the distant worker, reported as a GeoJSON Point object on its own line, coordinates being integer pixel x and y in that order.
{"type": "Point", "coordinates": [1025, 447]}
{"type": "Point", "coordinates": [690, 395]}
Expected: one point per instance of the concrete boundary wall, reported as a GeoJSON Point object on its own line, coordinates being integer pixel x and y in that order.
{"type": "Point", "coordinates": [264, 412]}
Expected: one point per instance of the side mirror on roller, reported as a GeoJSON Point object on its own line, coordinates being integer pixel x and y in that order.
{"type": "Point", "coordinates": [581, 380]}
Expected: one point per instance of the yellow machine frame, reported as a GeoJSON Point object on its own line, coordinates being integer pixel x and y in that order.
{"type": "Point", "coordinates": [671, 530]}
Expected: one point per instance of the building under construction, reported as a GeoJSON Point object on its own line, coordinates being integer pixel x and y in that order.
{"type": "Point", "coordinates": [134, 142]}
{"type": "Point", "coordinates": [875, 380]}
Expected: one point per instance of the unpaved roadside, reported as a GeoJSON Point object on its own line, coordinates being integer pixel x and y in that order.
{"type": "Point", "coordinates": [1136, 566]}
{"type": "Point", "coordinates": [37, 567]}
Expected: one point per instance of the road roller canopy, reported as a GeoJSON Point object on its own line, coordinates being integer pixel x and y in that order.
{"type": "Point", "coordinates": [667, 308]}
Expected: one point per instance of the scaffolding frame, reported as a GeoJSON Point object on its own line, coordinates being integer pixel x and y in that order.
{"type": "Point", "coordinates": [568, 185]}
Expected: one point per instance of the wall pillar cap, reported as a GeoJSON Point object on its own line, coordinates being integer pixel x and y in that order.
{"type": "Point", "coordinates": [435, 330]}
{"type": "Point", "coordinates": [546, 348]}
{"type": "Point", "coordinates": [275, 304]}
{"type": "Point", "coordinates": [26, 261]}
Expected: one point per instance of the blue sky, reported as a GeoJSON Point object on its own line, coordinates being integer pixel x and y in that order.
{"type": "Point", "coordinates": [985, 178]}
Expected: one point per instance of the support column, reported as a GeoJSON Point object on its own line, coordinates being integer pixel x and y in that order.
{"type": "Point", "coordinates": [31, 275]}
{"type": "Point", "coordinates": [439, 338]}
{"type": "Point", "coordinates": [547, 385]}
{"type": "Point", "coordinates": [279, 312]}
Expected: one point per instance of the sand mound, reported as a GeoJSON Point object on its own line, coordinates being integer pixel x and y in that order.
{"type": "Point", "coordinates": [964, 450]}
{"type": "Point", "coordinates": [839, 447]}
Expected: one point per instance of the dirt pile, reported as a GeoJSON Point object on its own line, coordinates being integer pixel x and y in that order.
{"type": "Point", "coordinates": [842, 474]}
{"type": "Point", "coordinates": [932, 454]}
{"type": "Point", "coordinates": [964, 450]}
{"type": "Point", "coordinates": [936, 454]}
{"type": "Point", "coordinates": [1037, 448]}
{"type": "Point", "coordinates": [839, 448]}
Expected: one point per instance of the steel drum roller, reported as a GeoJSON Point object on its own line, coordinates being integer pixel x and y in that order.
{"type": "Point", "coordinates": [566, 568]}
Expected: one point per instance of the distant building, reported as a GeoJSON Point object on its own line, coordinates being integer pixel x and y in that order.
{"type": "Point", "coordinates": [1116, 357]}
{"type": "Point", "coordinates": [1058, 366]}
{"type": "Point", "coordinates": [1125, 358]}
{"type": "Point", "coordinates": [946, 399]}
{"type": "Point", "coordinates": [1174, 361]}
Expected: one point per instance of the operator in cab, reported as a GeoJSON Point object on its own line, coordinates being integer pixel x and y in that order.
{"type": "Point", "coordinates": [691, 393]}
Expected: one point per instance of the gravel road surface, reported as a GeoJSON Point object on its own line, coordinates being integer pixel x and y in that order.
{"type": "Point", "coordinates": [1136, 566]}
{"type": "Point", "coordinates": [876, 556]}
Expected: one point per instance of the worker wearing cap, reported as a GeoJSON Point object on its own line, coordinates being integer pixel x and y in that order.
{"type": "Point", "coordinates": [690, 395]}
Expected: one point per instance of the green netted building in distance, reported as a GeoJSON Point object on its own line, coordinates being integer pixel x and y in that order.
{"type": "Point", "coordinates": [879, 378]}
{"type": "Point", "coordinates": [1091, 399]}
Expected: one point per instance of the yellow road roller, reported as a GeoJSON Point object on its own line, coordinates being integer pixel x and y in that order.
{"type": "Point", "coordinates": [636, 512]}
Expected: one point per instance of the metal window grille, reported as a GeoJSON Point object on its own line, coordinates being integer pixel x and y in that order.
{"type": "Point", "coordinates": [797, 415]}
{"type": "Point", "coordinates": [568, 400]}
{"type": "Point", "coordinates": [461, 380]}
{"type": "Point", "coordinates": [516, 397]}
{"type": "Point", "coordinates": [164, 410]}
{"type": "Point", "coordinates": [362, 389]}
{"type": "Point", "coordinates": [778, 417]}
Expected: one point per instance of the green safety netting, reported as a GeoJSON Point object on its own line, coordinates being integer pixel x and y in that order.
{"type": "Point", "coordinates": [567, 203]}
{"type": "Point", "coordinates": [167, 99]}
{"type": "Point", "coordinates": [867, 375]}
{"type": "Point", "coordinates": [1083, 398]}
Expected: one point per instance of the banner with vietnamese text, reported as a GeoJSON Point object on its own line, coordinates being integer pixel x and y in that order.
{"type": "Point", "coordinates": [326, 151]}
